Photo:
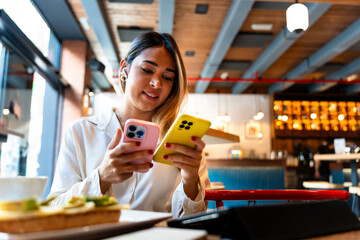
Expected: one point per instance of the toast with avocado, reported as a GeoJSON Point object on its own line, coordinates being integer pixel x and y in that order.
{"type": "Point", "coordinates": [31, 216]}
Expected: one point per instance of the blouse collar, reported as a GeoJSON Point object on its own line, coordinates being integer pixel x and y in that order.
{"type": "Point", "coordinates": [107, 122]}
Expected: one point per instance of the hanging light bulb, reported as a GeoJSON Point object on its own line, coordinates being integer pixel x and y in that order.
{"type": "Point", "coordinates": [260, 115]}
{"type": "Point", "coordinates": [297, 17]}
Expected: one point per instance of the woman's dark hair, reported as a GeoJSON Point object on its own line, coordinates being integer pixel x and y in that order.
{"type": "Point", "coordinates": [165, 114]}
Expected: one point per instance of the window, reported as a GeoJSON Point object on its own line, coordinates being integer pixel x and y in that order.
{"type": "Point", "coordinates": [29, 21]}
{"type": "Point", "coordinates": [25, 79]}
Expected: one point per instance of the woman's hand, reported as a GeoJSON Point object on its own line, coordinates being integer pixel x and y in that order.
{"type": "Point", "coordinates": [189, 162]}
{"type": "Point", "coordinates": [115, 167]}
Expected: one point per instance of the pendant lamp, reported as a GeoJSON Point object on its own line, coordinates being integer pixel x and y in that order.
{"type": "Point", "coordinates": [297, 17]}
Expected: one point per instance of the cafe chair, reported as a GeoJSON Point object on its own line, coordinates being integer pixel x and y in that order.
{"type": "Point", "coordinates": [355, 191]}
{"type": "Point", "coordinates": [285, 194]}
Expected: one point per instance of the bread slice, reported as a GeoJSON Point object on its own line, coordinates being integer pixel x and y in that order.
{"type": "Point", "coordinates": [50, 218]}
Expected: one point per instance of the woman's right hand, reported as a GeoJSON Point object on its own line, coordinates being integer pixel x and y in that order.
{"type": "Point", "coordinates": [115, 167]}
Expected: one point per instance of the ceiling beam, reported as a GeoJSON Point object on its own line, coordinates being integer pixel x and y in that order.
{"type": "Point", "coordinates": [97, 19]}
{"type": "Point", "coordinates": [349, 69]}
{"type": "Point", "coordinates": [166, 16]}
{"type": "Point", "coordinates": [337, 45]}
{"type": "Point", "coordinates": [277, 47]}
{"type": "Point", "coordinates": [234, 19]}
{"type": "Point", "coordinates": [60, 19]}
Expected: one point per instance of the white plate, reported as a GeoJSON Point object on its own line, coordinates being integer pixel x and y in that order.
{"type": "Point", "coordinates": [130, 220]}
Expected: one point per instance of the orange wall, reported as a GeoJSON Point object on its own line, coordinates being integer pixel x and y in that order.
{"type": "Point", "coordinates": [73, 69]}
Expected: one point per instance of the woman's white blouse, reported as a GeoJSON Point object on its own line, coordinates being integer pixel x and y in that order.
{"type": "Point", "coordinates": [82, 151]}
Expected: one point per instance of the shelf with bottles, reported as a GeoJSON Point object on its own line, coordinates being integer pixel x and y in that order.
{"type": "Point", "coordinates": [317, 116]}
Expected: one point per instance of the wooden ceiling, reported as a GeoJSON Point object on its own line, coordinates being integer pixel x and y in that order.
{"type": "Point", "coordinates": [199, 32]}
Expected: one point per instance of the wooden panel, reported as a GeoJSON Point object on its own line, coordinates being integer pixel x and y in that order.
{"type": "Point", "coordinates": [191, 86]}
{"type": "Point", "coordinates": [346, 57]}
{"type": "Point", "coordinates": [261, 87]}
{"type": "Point", "coordinates": [315, 75]}
{"type": "Point", "coordinates": [218, 89]}
{"type": "Point", "coordinates": [269, 16]}
{"type": "Point", "coordinates": [130, 14]}
{"type": "Point", "coordinates": [216, 136]}
{"type": "Point", "coordinates": [198, 32]}
{"type": "Point", "coordinates": [243, 54]}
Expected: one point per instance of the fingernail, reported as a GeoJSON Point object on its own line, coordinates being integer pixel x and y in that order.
{"type": "Point", "coordinates": [193, 138]}
{"type": "Point", "coordinates": [166, 156]}
{"type": "Point", "coordinates": [151, 152]}
{"type": "Point", "coordinates": [138, 144]}
{"type": "Point", "coordinates": [151, 165]}
{"type": "Point", "coordinates": [167, 145]}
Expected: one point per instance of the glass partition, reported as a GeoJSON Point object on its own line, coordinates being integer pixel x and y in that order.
{"type": "Point", "coordinates": [21, 104]}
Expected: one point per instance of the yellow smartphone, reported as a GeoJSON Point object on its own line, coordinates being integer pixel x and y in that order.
{"type": "Point", "coordinates": [180, 132]}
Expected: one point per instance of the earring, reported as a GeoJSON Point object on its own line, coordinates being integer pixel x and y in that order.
{"type": "Point", "coordinates": [122, 77]}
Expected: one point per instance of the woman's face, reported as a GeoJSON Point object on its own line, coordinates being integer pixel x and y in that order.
{"type": "Point", "coordinates": [150, 79]}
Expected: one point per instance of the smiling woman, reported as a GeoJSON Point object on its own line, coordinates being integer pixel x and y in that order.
{"type": "Point", "coordinates": [173, 71]}
{"type": "Point", "coordinates": [151, 82]}
{"type": "Point", "coordinates": [94, 161]}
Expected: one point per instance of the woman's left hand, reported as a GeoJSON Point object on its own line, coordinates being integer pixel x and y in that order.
{"type": "Point", "coordinates": [188, 161]}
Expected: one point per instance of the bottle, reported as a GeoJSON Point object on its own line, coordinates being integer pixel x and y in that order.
{"type": "Point", "coordinates": [301, 159]}
{"type": "Point", "coordinates": [311, 160]}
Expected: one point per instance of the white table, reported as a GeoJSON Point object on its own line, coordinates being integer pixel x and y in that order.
{"type": "Point", "coordinates": [345, 157]}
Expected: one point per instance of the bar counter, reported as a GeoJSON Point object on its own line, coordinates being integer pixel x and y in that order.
{"type": "Point", "coordinates": [226, 162]}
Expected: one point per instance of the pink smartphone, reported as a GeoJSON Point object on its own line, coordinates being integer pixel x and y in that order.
{"type": "Point", "coordinates": [147, 133]}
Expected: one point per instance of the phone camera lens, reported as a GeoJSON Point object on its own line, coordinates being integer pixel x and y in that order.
{"type": "Point", "coordinates": [140, 133]}
{"type": "Point", "coordinates": [184, 122]}
{"type": "Point", "coordinates": [182, 126]}
{"type": "Point", "coordinates": [190, 123]}
{"type": "Point", "coordinates": [132, 128]}
{"type": "Point", "coordinates": [131, 135]}
{"type": "Point", "coordinates": [187, 127]}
